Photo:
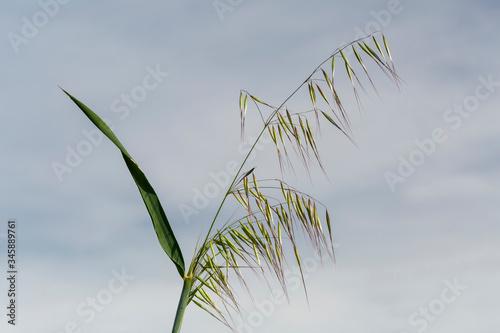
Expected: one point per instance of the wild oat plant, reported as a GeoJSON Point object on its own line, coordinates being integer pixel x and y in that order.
{"type": "Point", "coordinates": [276, 214]}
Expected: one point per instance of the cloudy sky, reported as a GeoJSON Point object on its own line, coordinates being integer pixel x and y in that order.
{"type": "Point", "coordinates": [415, 204]}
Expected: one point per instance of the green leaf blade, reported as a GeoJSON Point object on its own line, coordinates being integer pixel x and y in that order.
{"type": "Point", "coordinates": [160, 222]}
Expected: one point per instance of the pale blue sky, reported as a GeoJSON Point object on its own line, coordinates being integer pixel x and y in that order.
{"type": "Point", "coordinates": [400, 246]}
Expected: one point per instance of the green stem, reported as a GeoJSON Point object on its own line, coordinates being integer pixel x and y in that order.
{"type": "Point", "coordinates": [266, 124]}
{"type": "Point", "coordinates": [268, 121]}
{"type": "Point", "coordinates": [186, 288]}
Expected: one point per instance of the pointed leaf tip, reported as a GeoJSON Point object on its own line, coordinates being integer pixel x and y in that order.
{"type": "Point", "coordinates": [160, 222]}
